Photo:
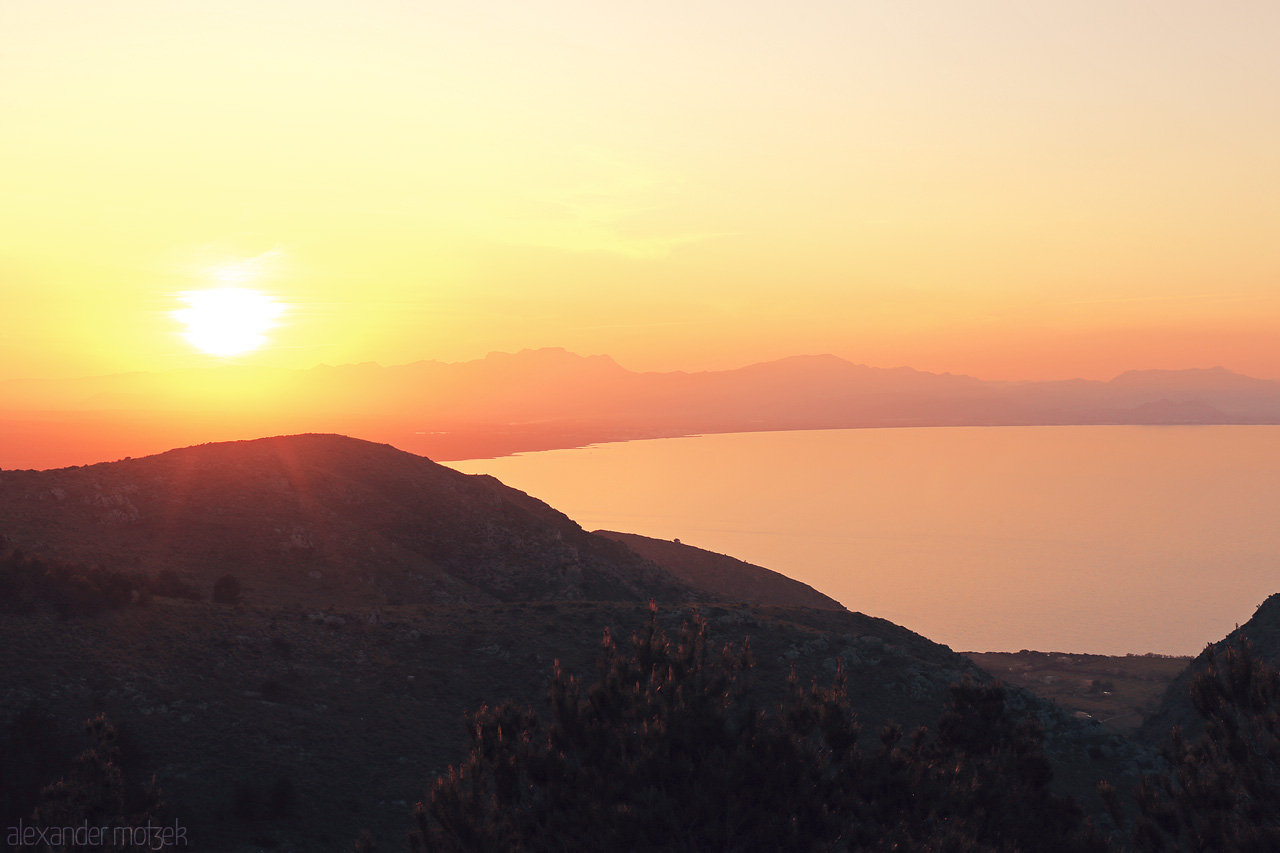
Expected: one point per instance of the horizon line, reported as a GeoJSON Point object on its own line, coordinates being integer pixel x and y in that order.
{"type": "Point", "coordinates": [226, 365]}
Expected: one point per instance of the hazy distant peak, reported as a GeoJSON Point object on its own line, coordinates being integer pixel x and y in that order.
{"type": "Point", "coordinates": [1195, 374]}
{"type": "Point", "coordinates": [350, 367]}
{"type": "Point", "coordinates": [528, 353]}
{"type": "Point", "coordinates": [828, 362]}
{"type": "Point", "coordinates": [547, 362]}
{"type": "Point", "coordinates": [1047, 383]}
{"type": "Point", "coordinates": [810, 364]}
{"type": "Point", "coordinates": [546, 354]}
{"type": "Point", "coordinates": [551, 397]}
{"type": "Point", "coordinates": [822, 358]}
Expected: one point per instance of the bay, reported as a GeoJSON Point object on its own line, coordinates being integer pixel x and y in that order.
{"type": "Point", "coordinates": [1097, 539]}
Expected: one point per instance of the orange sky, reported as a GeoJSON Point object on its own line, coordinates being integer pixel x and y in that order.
{"type": "Point", "coordinates": [1006, 189]}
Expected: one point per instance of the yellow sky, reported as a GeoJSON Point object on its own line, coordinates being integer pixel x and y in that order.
{"type": "Point", "coordinates": [1008, 189]}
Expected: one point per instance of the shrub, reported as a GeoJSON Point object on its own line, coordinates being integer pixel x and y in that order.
{"type": "Point", "coordinates": [94, 790]}
{"type": "Point", "coordinates": [665, 751]}
{"type": "Point", "coordinates": [226, 590]}
{"type": "Point", "coordinates": [170, 584]}
{"type": "Point", "coordinates": [29, 584]}
{"type": "Point", "coordinates": [1222, 791]}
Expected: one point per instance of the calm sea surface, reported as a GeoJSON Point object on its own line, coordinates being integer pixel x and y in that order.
{"type": "Point", "coordinates": [1103, 539]}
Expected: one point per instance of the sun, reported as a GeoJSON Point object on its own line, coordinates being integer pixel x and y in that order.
{"type": "Point", "coordinates": [227, 320]}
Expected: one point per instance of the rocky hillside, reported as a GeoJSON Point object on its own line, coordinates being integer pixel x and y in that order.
{"type": "Point", "coordinates": [386, 596]}
{"type": "Point", "coordinates": [1263, 633]}
{"type": "Point", "coordinates": [727, 577]}
{"type": "Point", "coordinates": [352, 715]}
{"type": "Point", "coordinates": [313, 519]}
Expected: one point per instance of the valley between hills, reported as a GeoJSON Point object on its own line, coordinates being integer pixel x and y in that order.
{"type": "Point", "coordinates": [378, 597]}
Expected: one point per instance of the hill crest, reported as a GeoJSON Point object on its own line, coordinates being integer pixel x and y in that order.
{"type": "Point", "coordinates": [322, 518]}
{"type": "Point", "coordinates": [732, 579]}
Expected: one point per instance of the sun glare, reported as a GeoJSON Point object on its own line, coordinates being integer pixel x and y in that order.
{"type": "Point", "coordinates": [227, 320]}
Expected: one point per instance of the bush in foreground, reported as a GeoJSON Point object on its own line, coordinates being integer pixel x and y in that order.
{"type": "Point", "coordinates": [1220, 792]}
{"type": "Point", "coordinates": [94, 793]}
{"type": "Point", "coordinates": [666, 752]}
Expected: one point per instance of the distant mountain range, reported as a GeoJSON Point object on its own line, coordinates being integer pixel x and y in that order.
{"type": "Point", "coordinates": [549, 398]}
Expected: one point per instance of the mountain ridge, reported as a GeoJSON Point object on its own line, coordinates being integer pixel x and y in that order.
{"type": "Point", "coordinates": [552, 398]}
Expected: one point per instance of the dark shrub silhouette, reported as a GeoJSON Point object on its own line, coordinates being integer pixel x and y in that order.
{"type": "Point", "coordinates": [666, 752]}
{"type": "Point", "coordinates": [94, 790]}
{"type": "Point", "coordinates": [30, 584]}
{"type": "Point", "coordinates": [1221, 792]}
{"type": "Point", "coordinates": [170, 584]}
{"type": "Point", "coordinates": [226, 590]}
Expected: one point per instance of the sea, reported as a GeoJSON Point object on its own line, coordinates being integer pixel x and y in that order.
{"type": "Point", "coordinates": [1083, 539]}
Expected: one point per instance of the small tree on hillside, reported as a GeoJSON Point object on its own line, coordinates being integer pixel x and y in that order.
{"type": "Point", "coordinates": [94, 791]}
{"type": "Point", "coordinates": [226, 590]}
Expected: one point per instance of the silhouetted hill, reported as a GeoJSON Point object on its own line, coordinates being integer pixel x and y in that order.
{"type": "Point", "coordinates": [727, 577]}
{"type": "Point", "coordinates": [319, 519]}
{"type": "Point", "coordinates": [1176, 709]}
{"type": "Point", "coordinates": [387, 595]}
{"type": "Point", "coordinates": [358, 712]}
{"type": "Point", "coordinates": [548, 398]}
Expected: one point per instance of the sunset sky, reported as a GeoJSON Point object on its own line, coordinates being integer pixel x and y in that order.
{"type": "Point", "coordinates": [1008, 189]}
